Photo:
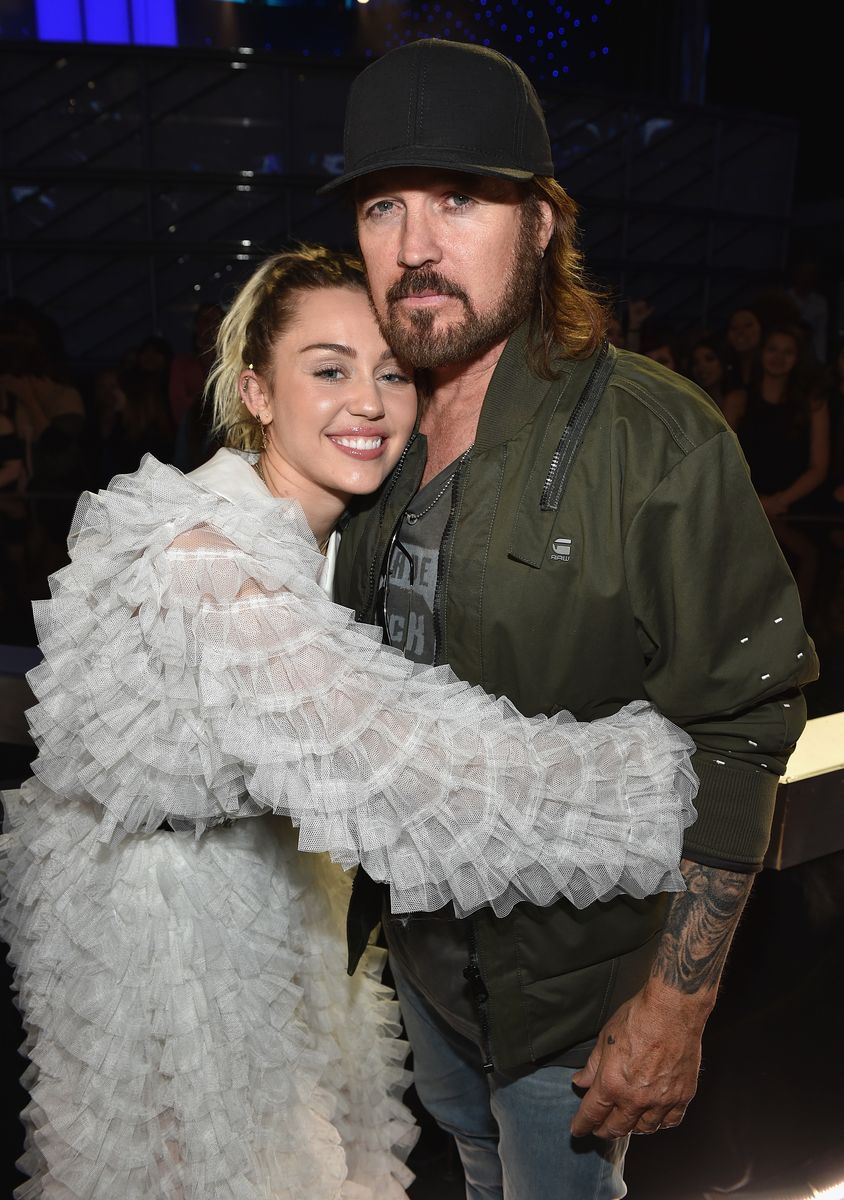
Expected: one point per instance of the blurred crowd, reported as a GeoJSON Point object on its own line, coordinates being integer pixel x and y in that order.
{"type": "Point", "coordinates": [778, 382]}
{"type": "Point", "coordinates": [64, 429]}
{"type": "Point", "coordinates": [771, 369]}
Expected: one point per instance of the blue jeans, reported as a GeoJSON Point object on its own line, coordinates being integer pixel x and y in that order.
{"type": "Point", "coordinates": [512, 1132]}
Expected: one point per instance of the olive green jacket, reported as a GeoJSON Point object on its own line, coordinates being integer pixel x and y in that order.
{"type": "Point", "coordinates": [657, 577]}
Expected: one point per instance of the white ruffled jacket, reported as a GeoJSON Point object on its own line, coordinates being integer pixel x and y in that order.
{"type": "Point", "coordinates": [195, 671]}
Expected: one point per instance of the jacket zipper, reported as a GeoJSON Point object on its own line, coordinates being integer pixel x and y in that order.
{"type": "Point", "coordinates": [563, 457]}
{"type": "Point", "coordinates": [480, 996]}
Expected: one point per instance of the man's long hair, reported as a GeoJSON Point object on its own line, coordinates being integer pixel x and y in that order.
{"type": "Point", "coordinates": [571, 314]}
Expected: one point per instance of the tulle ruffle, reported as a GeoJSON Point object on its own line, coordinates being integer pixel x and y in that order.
{"type": "Point", "coordinates": [192, 1032]}
{"type": "Point", "coordinates": [194, 671]}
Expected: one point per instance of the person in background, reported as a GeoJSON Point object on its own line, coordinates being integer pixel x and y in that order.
{"type": "Point", "coordinates": [12, 469]}
{"type": "Point", "coordinates": [743, 339]}
{"type": "Point", "coordinates": [811, 303]}
{"type": "Point", "coordinates": [657, 342]}
{"type": "Point", "coordinates": [708, 368]}
{"type": "Point", "coordinates": [615, 330]}
{"type": "Point", "coordinates": [13, 513]}
{"type": "Point", "coordinates": [134, 410]}
{"type": "Point", "coordinates": [188, 373]}
{"type": "Point", "coordinates": [626, 322]}
{"type": "Point", "coordinates": [782, 422]}
{"type": "Point", "coordinates": [47, 412]}
{"type": "Point", "coordinates": [639, 312]}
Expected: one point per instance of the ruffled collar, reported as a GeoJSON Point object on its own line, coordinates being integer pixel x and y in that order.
{"type": "Point", "coordinates": [231, 474]}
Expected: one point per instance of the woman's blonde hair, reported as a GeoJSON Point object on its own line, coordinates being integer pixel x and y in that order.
{"type": "Point", "coordinates": [258, 316]}
{"type": "Point", "coordinates": [571, 314]}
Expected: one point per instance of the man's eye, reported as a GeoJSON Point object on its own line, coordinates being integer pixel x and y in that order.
{"type": "Point", "coordinates": [380, 208]}
{"type": "Point", "coordinates": [459, 200]}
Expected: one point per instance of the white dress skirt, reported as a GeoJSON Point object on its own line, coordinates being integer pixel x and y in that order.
{"type": "Point", "coordinates": [192, 1031]}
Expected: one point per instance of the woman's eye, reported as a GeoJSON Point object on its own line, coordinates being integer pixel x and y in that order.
{"type": "Point", "coordinates": [395, 377]}
{"type": "Point", "coordinates": [329, 373]}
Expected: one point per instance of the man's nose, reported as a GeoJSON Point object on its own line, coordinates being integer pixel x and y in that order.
{"type": "Point", "coordinates": [419, 242]}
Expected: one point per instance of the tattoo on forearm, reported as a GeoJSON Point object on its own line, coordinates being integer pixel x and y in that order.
{"type": "Point", "coordinates": [700, 927]}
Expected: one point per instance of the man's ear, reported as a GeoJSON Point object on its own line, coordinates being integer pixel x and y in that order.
{"type": "Point", "coordinates": [546, 224]}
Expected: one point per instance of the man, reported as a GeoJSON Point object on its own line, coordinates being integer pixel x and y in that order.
{"type": "Point", "coordinates": [572, 527]}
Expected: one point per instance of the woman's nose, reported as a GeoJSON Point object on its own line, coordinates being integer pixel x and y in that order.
{"type": "Point", "coordinates": [367, 401]}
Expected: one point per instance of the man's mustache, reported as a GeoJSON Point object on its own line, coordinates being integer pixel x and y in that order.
{"type": "Point", "coordinates": [424, 279]}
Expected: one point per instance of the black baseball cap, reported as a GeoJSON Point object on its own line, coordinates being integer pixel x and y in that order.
{"type": "Point", "coordinates": [435, 103]}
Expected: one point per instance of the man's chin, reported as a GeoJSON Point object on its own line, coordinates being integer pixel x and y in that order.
{"type": "Point", "coordinates": [428, 340]}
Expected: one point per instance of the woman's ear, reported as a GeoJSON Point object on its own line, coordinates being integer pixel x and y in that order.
{"type": "Point", "coordinates": [254, 396]}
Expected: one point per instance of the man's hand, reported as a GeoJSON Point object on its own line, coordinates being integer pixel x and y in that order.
{"type": "Point", "coordinates": [643, 1071]}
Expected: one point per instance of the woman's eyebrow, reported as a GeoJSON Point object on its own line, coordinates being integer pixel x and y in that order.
{"type": "Point", "coordinates": [334, 347]}
{"type": "Point", "coordinates": [349, 351]}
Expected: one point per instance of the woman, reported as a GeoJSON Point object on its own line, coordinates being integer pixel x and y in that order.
{"type": "Point", "coordinates": [782, 423]}
{"type": "Point", "coordinates": [708, 369]}
{"type": "Point", "coordinates": [191, 1027]}
{"type": "Point", "coordinates": [743, 339]}
{"type": "Point", "coordinates": [135, 409]}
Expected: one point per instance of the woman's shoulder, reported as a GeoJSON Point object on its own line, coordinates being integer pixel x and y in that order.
{"type": "Point", "coordinates": [141, 515]}
{"type": "Point", "coordinates": [230, 474]}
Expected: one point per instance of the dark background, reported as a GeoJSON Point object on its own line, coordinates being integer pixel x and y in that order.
{"type": "Point", "coordinates": [745, 92]}
{"type": "Point", "coordinates": [138, 179]}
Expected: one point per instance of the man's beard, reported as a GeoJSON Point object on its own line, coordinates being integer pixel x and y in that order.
{"type": "Point", "coordinates": [411, 335]}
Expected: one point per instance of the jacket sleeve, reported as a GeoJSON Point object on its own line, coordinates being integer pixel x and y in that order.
{"type": "Point", "coordinates": [720, 623]}
{"type": "Point", "coordinates": [206, 682]}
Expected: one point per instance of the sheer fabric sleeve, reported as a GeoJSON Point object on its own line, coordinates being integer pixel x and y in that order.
{"type": "Point", "coordinates": [213, 680]}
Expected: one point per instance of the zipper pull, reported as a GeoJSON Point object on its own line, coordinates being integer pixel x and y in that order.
{"type": "Point", "coordinates": [473, 977]}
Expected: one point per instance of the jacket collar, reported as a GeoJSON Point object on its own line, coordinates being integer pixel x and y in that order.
{"type": "Point", "coordinates": [514, 393]}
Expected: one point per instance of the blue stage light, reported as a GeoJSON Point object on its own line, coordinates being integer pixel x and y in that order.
{"type": "Point", "coordinates": [58, 20]}
{"type": "Point", "coordinates": [106, 21]}
{"type": "Point", "coordinates": [145, 22]}
{"type": "Point", "coordinates": [154, 22]}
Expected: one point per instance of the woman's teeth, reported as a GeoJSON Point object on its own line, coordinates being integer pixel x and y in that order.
{"type": "Point", "coordinates": [359, 443]}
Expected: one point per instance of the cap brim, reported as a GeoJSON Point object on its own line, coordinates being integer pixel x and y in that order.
{"type": "Point", "coordinates": [435, 162]}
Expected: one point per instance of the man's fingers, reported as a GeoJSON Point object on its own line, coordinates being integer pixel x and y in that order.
{"type": "Point", "coordinates": [619, 1122]}
{"type": "Point", "coordinates": [593, 1112]}
{"type": "Point", "coordinates": [585, 1077]}
{"type": "Point", "coordinates": [606, 1118]}
{"type": "Point", "coordinates": [674, 1116]}
{"type": "Point", "coordinates": [648, 1123]}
